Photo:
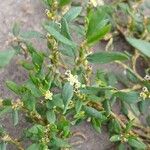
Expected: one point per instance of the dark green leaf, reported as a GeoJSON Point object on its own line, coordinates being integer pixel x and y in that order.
{"type": "Point", "coordinates": [129, 97]}
{"type": "Point", "coordinates": [5, 57]}
{"type": "Point", "coordinates": [141, 45]}
{"type": "Point", "coordinates": [92, 112]}
{"type": "Point", "coordinates": [148, 120]}
{"type": "Point", "coordinates": [106, 57]}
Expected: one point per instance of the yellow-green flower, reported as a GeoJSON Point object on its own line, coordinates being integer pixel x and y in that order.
{"type": "Point", "coordinates": [48, 95]}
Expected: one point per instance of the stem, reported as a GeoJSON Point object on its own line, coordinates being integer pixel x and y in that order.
{"type": "Point", "coordinates": [128, 68]}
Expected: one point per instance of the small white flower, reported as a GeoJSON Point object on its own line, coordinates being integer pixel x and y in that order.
{"type": "Point", "coordinates": [147, 77]}
{"type": "Point", "coordinates": [145, 89]}
{"type": "Point", "coordinates": [48, 95]}
{"type": "Point", "coordinates": [143, 95]}
{"type": "Point", "coordinates": [96, 3]}
{"type": "Point", "coordinates": [73, 79]}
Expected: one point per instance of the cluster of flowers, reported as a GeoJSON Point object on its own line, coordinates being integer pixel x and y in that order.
{"type": "Point", "coordinates": [48, 95]}
{"type": "Point", "coordinates": [73, 79]}
{"type": "Point", "coordinates": [145, 92]}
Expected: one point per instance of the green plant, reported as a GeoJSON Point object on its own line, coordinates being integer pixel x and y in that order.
{"type": "Point", "coordinates": [62, 89]}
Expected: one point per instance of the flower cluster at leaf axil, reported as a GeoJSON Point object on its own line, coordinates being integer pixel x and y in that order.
{"type": "Point", "coordinates": [48, 95]}
{"type": "Point", "coordinates": [73, 80]}
{"type": "Point", "coordinates": [145, 93]}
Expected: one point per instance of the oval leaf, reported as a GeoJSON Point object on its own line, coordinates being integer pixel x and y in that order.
{"type": "Point", "coordinates": [141, 45]}
{"type": "Point", "coordinates": [5, 57]}
{"type": "Point", "coordinates": [106, 57]}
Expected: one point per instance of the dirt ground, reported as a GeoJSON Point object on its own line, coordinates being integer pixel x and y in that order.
{"type": "Point", "coordinates": [30, 13]}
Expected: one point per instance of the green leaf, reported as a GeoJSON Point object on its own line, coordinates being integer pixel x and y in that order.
{"type": "Point", "coordinates": [34, 147]}
{"type": "Point", "coordinates": [98, 25]}
{"type": "Point", "coordinates": [51, 117]}
{"type": "Point", "coordinates": [106, 57]}
{"type": "Point", "coordinates": [148, 120]}
{"type": "Point", "coordinates": [5, 110]}
{"type": "Point", "coordinates": [92, 112]}
{"type": "Point", "coordinates": [114, 126]}
{"type": "Point", "coordinates": [57, 142]}
{"type": "Point", "coordinates": [31, 34]}
{"type": "Point", "coordinates": [59, 36]}
{"type": "Point", "coordinates": [67, 94]}
{"type": "Point", "coordinates": [15, 117]}
{"type": "Point", "coordinates": [78, 106]}
{"type": "Point", "coordinates": [129, 97]}
{"type": "Point", "coordinates": [96, 123]}
{"type": "Point", "coordinates": [16, 29]}
{"type": "Point", "coordinates": [64, 2]}
{"type": "Point", "coordinates": [65, 29]}
{"type": "Point", "coordinates": [129, 126]}
{"type": "Point", "coordinates": [67, 50]}
{"type": "Point", "coordinates": [3, 146]}
{"type": "Point", "coordinates": [141, 45]}
{"type": "Point", "coordinates": [99, 35]}
{"type": "Point", "coordinates": [136, 143]}
{"type": "Point", "coordinates": [115, 138]}
{"type": "Point", "coordinates": [5, 57]}
{"type": "Point", "coordinates": [34, 90]}
{"type": "Point", "coordinates": [121, 146]}
{"type": "Point", "coordinates": [72, 13]}
{"type": "Point", "coordinates": [57, 101]}
{"type": "Point", "coordinates": [14, 87]}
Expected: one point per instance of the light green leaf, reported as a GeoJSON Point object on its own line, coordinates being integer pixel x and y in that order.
{"type": "Point", "coordinates": [14, 87]}
{"type": "Point", "coordinates": [98, 25]}
{"type": "Point", "coordinates": [31, 34]}
{"type": "Point", "coordinates": [51, 117]}
{"type": "Point", "coordinates": [5, 57]}
{"type": "Point", "coordinates": [67, 94]}
{"type": "Point", "coordinates": [115, 138]}
{"type": "Point", "coordinates": [141, 45]}
{"type": "Point", "coordinates": [3, 146]}
{"type": "Point", "coordinates": [136, 143]}
{"type": "Point", "coordinates": [15, 117]}
{"type": "Point", "coordinates": [72, 13]}
{"type": "Point", "coordinates": [34, 147]}
{"type": "Point", "coordinates": [65, 29]}
{"type": "Point", "coordinates": [16, 29]}
{"type": "Point", "coordinates": [121, 146]}
{"type": "Point", "coordinates": [5, 110]}
{"type": "Point", "coordinates": [106, 57]}
{"type": "Point", "coordinates": [59, 36]}
{"type": "Point", "coordinates": [58, 142]}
